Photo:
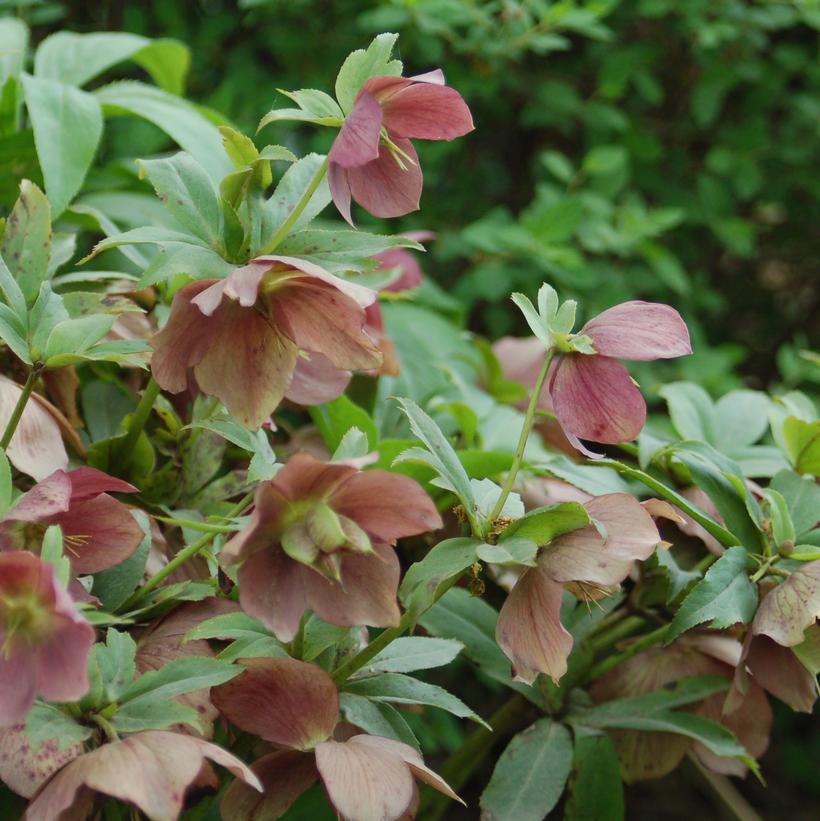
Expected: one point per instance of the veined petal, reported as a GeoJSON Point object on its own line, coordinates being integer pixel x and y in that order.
{"type": "Point", "coordinates": [640, 331]}
{"type": "Point", "coordinates": [340, 191]}
{"type": "Point", "coordinates": [427, 111]}
{"type": "Point", "coordinates": [383, 188]}
{"type": "Point", "coordinates": [47, 498]}
{"type": "Point", "coordinates": [87, 482]}
{"type": "Point", "coordinates": [595, 399]}
{"type": "Point", "coordinates": [357, 142]}
{"type": "Point", "coordinates": [19, 676]}
{"type": "Point", "coordinates": [64, 659]}
{"type": "Point", "coordinates": [316, 380]}
{"type": "Point", "coordinates": [778, 670]}
{"type": "Point", "coordinates": [786, 612]}
{"type": "Point", "coordinates": [305, 477]}
{"type": "Point", "coordinates": [24, 770]}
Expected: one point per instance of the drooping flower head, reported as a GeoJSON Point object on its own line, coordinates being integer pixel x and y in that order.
{"type": "Point", "coordinates": [320, 537]}
{"type": "Point", "coordinates": [245, 336]}
{"type": "Point", "coordinates": [98, 531]}
{"type": "Point", "coordinates": [372, 160]}
{"type": "Point", "coordinates": [295, 706]}
{"type": "Point", "coordinates": [44, 641]}
{"type": "Point", "coordinates": [593, 395]}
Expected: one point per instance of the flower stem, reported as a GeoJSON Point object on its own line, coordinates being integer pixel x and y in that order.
{"type": "Point", "coordinates": [106, 727]}
{"type": "Point", "coordinates": [17, 413]}
{"type": "Point", "coordinates": [192, 524]}
{"type": "Point", "coordinates": [620, 630]}
{"type": "Point", "coordinates": [297, 211]}
{"type": "Point", "coordinates": [518, 458]}
{"type": "Point", "coordinates": [183, 556]}
{"type": "Point", "coordinates": [643, 643]}
{"type": "Point", "coordinates": [136, 424]}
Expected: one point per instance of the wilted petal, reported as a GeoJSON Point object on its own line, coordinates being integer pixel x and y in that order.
{"type": "Point", "coordinates": [426, 111]}
{"type": "Point", "coordinates": [595, 398]}
{"type": "Point", "coordinates": [285, 775]}
{"type": "Point", "coordinates": [22, 769]}
{"type": "Point", "coordinates": [366, 594]}
{"type": "Point", "coordinates": [316, 380]}
{"type": "Point", "coordinates": [386, 505]}
{"type": "Point", "coordinates": [786, 612]}
{"type": "Point", "coordinates": [639, 330]}
{"type": "Point", "coordinates": [778, 670]}
{"type": "Point", "coordinates": [357, 142]}
{"type": "Point", "coordinates": [660, 509]}
{"type": "Point", "coordinates": [529, 628]}
{"type": "Point", "coordinates": [289, 703]}
{"type": "Point", "coordinates": [383, 188]}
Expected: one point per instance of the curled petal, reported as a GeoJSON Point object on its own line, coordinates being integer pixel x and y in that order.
{"type": "Point", "coordinates": [340, 191]}
{"type": "Point", "coordinates": [786, 612]}
{"type": "Point", "coordinates": [385, 189]}
{"type": "Point", "coordinates": [263, 530]}
{"type": "Point", "coordinates": [595, 398]}
{"type": "Point", "coordinates": [305, 477]}
{"type": "Point", "coordinates": [87, 482]}
{"type": "Point", "coordinates": [357, 142]}
{"type": "Point", "coordinates": [640, 331]}
{"type": "Point", "coordinates": [426, 111]}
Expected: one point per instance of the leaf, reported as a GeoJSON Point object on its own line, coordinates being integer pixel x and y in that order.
{"type": "Point", "coordinates": [12, 330]}
{"type": "Point", "coordinates": [530, 775]}
{"type": "Point", "coordinates": [117, 667]}
{"type": "Point", "coordinates": [47, 721]}
{"type": "Point", "coordinates": [724, 596]}
{"type": "Point", "coordinates": [376, 718]}
{"type": "Point", "coordinates": [596, 791]}
{"type": "Point", "coordinates": [67, 125]}
{"type": "Point", "coordinates": [26, 246]}
{"type": "Point", "coordinates": [74, 337]}
{"type": "Point", "coordinates": [360, 65]}
{"type": "Point", "coordinates": [691, 411]}
{"type": "Point", "coordinates": [515, 551]}
{"type": "Point", "coordinates": [154, 713]}
{"type": "Point", "coordinates": [741, 417]}
{"type": "Point", "coordinates": [334, 419]}
{"type": "Point", "coordinates": [400, 689]}
{"type": "Point", "coordinates": [6, 487]}
{"type": "Point", "coordinates": [14, 38]}
{"type": "Point", "coordinates": [409, 653]}
{"type": "Point", "coordinates": [544, 524]}
{"type": "Point", "coordinates": [802, 496]}
{"type": "Point", "coordinates": [678, 578]}
{"type": "Point", "coordinates": [537, 324]}
{"type": "Point", "coordinates": [803, 444]}
{"type": "Point", "coordinates": [319, 635]}
{"type": "Point", "coordinates": [263, 464]}
{"type": "Point", "coordinates": [113, 586]}
{"type": "Point", "coordinates": [180, 676]}
{"type": "Point", "coordinates": [780, 518]}
{"type": "Point", "coordinates": [228, 626]}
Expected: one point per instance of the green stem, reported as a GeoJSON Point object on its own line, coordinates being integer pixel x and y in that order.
{"type": "Point", "coordinates": [726, 792]}
{"type": "Point", "coordinates": [106, 727]}
{"type": "Point", "coordinates": [518, 458]}
{"type": "Point", "coordinates": [136, 424]}
{"type": "Point", "coordinates": [764, 568]}
{"type": "Point", "coordinates": [192, 524]}
{"type": "Point", "coordinates": [624, 628]}
{"type": "Point", "coordinates": [183, 556]}
{"type": "Point", "coordinates": [17, 413]}
{"type": "Point", "coordinates": [297, 211]}
{"type": "Point", "coordinates": [643, 643]}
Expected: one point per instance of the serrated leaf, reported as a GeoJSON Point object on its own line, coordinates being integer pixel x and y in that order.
{"type": "Point", "coordinates": [377, 718]}
{"type": "Point", "coordinates": [515, 551]}
{"type": "Point", "coordinates": [544, 524]}
{"type": "Point", "coordinates": [362, 64]}
{"type": "Point", "coordinates": [151, 713]}
{"type": "Point", "coordinates": [180, 676]}
{"type": "Point", "coordinates": [26, 245]}
{"type": "Point", "coordinates": [116, 663]}
{"type": "Point", "coordinates": [409, 653]}
{"type": "Point", "coordinates": [47, 721]}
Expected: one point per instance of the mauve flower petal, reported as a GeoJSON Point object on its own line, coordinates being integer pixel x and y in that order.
{"type": "Point", "coordinates": [529, 628]}
{"type": "Point", "coordinates": [23, 770]}
{"type": "Point", "coordinates": [521, 361]}
{"type": "Point", "coordinates": [357, 142]}
{"type": "Point", "coordinates": [262, 530]}
{"type": "Point", "coordinates": [366, 595]}
{"type": "Point", "coordinates": [383, 188]}
{"type": "Point", "coordinates": [184, 339]}
{"type": "Point", "coordinates": [87, 482]}
{"type": "Point", "coordinates": [285, 775]}
{"type": "Point", "coordinates": [402, 259]}
{"type": "Point", "coordinates": [595, 398]}
{"type": "Point", "coordinates": [64, 659]}
{"type": "Point", "coordinates": [340, 191]}
{"type": "Point", "coordinates": [305, 477]}
{"type": "Point", "coordinates": [19, 676]}
{"type": "Point", "coordinates": [639, 330]}
{"type": "Point", "coordinates": [386, 505]}
{"type": "Point", "coordinates": [661, 509]}
{"type": "Point", "coordinates": [362, 783]}
{"type": "Point", "coordinates": [36, 448]}
{"type": "Point", "coordinates": [289, 703]}
{"type": "Point", "coordinates": [778, 670]}
{"type": "Point", "coordinates": [427, 111]}
{"type": "Point", "coordinates": [47, 498]}
{"type": "Point", "coordinates": [271, 590]}
{"type": "Point", "coordinates": [109, 533]}
{"type": "Point", "coordinates": [211, 298]}
{"type": "Point", "coordinates": [786, 612]}
{"type": "Point", "coordinates": [316, 380]}
{"type": "Point", "coordinates": [319, 317]}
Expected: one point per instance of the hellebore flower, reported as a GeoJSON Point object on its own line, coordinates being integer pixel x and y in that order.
{"type": "Point", "coordinates": [151, 770]}
{"type": "Point", "coordinates": [45, 641]}
{"type": "Point", "coordinates": [593, 395]}
{"type": "Point", "coordinates": [529, 629]}
{"type": "Point", "coordinates": [98, 531]}
{"type": "Point", "coordinates": [372, 160]}
{"type": "Point", "coordinates": [403, 261]}
{"type": "Point", "coordinates": [244, 336]}
{"type": "Point", "coordinates": [319, 538]}
{"type": "Point", "coordinates": [295, 706]}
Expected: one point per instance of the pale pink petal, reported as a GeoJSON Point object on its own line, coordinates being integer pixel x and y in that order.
{"type": "Point", "coordinates": [243, 283]}
{"type": "Point", "coordinates": [340, 191]}
{"type": "Point", "coordinates": [639, 330]}
{"type": "Point", "coordinates": [594, 398]}
{"type": "Point", "coordinates": [778, 670]}
{"type": "Point", "coordinates": [363, 783]}
{"type": "Point", "coordinates": [366, 594]}
{"type": "Point", "coordinates": [427, 111]}
{"type": "Point", "coordinates": [19, 676]}
{"type": "Point", "coordinates": [264, 528]}
{"type": "Point", "coordinates": [316, 380]}
{"type": "Point", "coordinates": [87, 482]}
{"type": "Point", "coordinates": [289, 703]}
{"type": "Point", "coordinates": [786, 612]}
{"type": "Point", "coordinates": [47, 498]}
{"type": "Point", "coordinates": [386, 505]}
{"type": "Point", "coordinates": [22, 769]}
{"type": "Point", "coordinates": [64, 658]}
{"type": "Point", "coordinates": [521, 360]}
{"type": "Point", "coordinates": [357, 142]}
{"type": "Point", "coordinates": [529, 628]}
{"type": "Point", "coordinates": [383, 188]}
{"type": "Point", "coordinates": [209, 300]}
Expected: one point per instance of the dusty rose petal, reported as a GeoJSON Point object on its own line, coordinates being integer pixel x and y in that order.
{"type": "Point", "coordinates": [23, 770]}
{"type": "Point", "coordinates": [151, 770]}
{"type": "Point", "coordinates": [383, 188]}
{"type": "Point", "coordinates": [285, 775]}
{"type": "Point", "coordinates": [406, 263]}
{"type": "Point", "coordinates": [786, 612]}
{"type": "Point", "coordinates": [529, 628]}
{"type": "Point", "coordinates": [87, 482]}
{"type": "Point", "coordinates": [305, 477]}
{"type": "Point", "coordinates": [639, 330]}
{"type": "Point", "coordinates": [595, 398]}
{"type": "Point", "coordinates": [340, 191]}
{"type": "Point", "coordinates": [363, 783]}
{"type": "Point", "coordinates": [660, 509]}
{"type": "Point", "coordinates": [62, 386]}
{"type": "Point", "coordinates": [427, 111]}
{"type": "Point", "coordinates": [289, 703]}
{"type": "Point", "coordinates": [386, 505]}
{"type": "Point", "coordinates": [357, 142]}
{"type": "Point", "coordinates": [19, 677]}
{"type": "Point", "coordinates": [47, 498]}
{"type": "Point", "coordinates": [271, 589]}
{"type": "Point", "coordinates": [521, 360]}
{"type": "Point", "coordinates": [691, 528]}
{"type": "Point", "coordinates": [64, 659]}
{"type": "Point", "coordinates": [366, 594]}
{"type": "Point", "coordinates": [316, 380]}
{"type": "Point", "coordinates": [778, 670]}
{"type": "Point", "coordinates": [269, 506]}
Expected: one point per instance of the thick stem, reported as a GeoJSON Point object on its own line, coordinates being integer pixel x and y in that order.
{"type": "Point", "coordinates": [643, 643]}
{"type": "Point", "coordinates": [345, 670]}
{"type": "Point", "coordinates": [621, 630]}
{"type": "Point", "coordinates": [17, 413]}
{"type": "Point", "coordinates": [137, 423]}
{"type": "Point", "coordinates": [297, 211]}
{"type": "Point", "coordinates": [192, 524]}
{"type": "Point", "coordinates": [518, 458]}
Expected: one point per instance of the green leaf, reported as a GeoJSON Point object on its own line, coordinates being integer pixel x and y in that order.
{"type": "Point", "coordinates": [596, 791]}
{"type": "Point", "coordinates": [396, 688]}
{"type": "Point", "coordinates": [67, 125]}
{"type": "Point", "coordinates": [362, 64]}
{"type": "Point", "coordinates": [153, 713]}
{"type": "Point", "coordinates": [515, 551]}
{"type": "Point", "coordinates": [530, 775]}
{"type": "Point", "coordinates": [409, 653]}
{"type": "Point", "coordinates": [263, 464]}
{"type": "Point", "coordinates": [724, 596]}
{"type": "Point", "coordinates": [26, 246]}
{"type": "Point", "coordinates": [691, 410]}
{"type": "Point", "coordinates": [544, 524]}
{"type": "Point", "coordinates": [802, 496]}
{"type": "Point", "coordinates": [116, 662]}
{"type": "Point", "coordinates": [52, 552]}
{"type": "Point", "coordinates": [781, 521]}
{"type": "Point", "coordinates": [334, 419]}
{"type": "Point", "coordinates": [228, 626]}
{"type": "Point", "coordinates": [45, 722]}
{"type": "Point", "coordinates": [803, 444]}
{"type": "Point", "coordinates": [319, 635]}
{"type": "Point", "coordinates": [678, 578]}
{"type": "Point", "coordinates": [353, 445]}
{"type": "Point", "coordinates": [314, 107]}
{"type": "Point", "coordinates": [180, 676]}
{"type": "Point", "coordinates": [74, 337]}
{"type": "Point", "coordinates": [538, 325]}
{"type": "Point", "coordinates": [113, 586]}
{"type": "Point", "coordinates": [12, 330]}
{"type": "Point", "coordinates": [13, 294]}
{"type": "Point", "coordinates": [6, 487]}
{"type": "Point", "coordinates": [377, 718]}
{"type": "Point", "coordinates": [14, 38]}
{"type": "Point", "coordinates": [741, 417]}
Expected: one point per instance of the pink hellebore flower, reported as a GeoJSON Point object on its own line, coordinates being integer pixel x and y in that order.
{"type": "Point", "coordinates": [593, 395]}
{"type": "Point", "coordinates": [295, 706]}
{"type": "Point", "coordinates": [245, 336]}
{"type": "Point", "coordinates": [98, 531]}
{"type": "Point", "coordinates": [45, 641]}
{"type": "Point", "coordinates": [529, 629]}
{"type": "Point", "coordinates": [319, 538]}
{"type": "Point", "coordinates": [372, 160]}
{"type": "Point", "coordinates": [405, 262]}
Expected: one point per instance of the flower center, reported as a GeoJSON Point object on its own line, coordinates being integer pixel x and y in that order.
{"type": "Point", "coordinates": [24, 618]}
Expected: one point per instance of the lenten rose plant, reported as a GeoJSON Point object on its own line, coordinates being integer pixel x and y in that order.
{"type": "Point", "coordinates": [266, 504]}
